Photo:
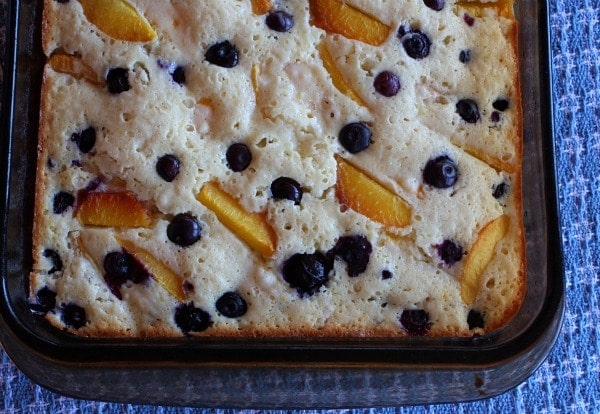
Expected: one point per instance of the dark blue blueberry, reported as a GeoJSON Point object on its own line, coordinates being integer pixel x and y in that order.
{"type": "Point", "coordinates": [386, 274]}
{"type": "Point", "coordinates": [355, 251]}
{"type": "Point", "coordinates": [117, 80]}
{"type": "Point", "coordinates": [222, 54]}
{"type": "Point", "coordinates": [475, 319]}
{"type": "Point", "coordinates": [286, 188]}
{"type": "Point", "coordinates": [231, 305]}
{"type": "Point", "coordinates": [464, 56]}
{"type": "Point", "coordinates": [45, 301]}
{"type": "Point", "coordinates": [167, 167]}
{"type": "Point", "coordinates": [355, 137]}
{"type": "Point", "coordinates": [450, 252]}
{"type": "Point", "coordinates": [306, 272]}
{"type": "Point", "coordinates": [73, 315]}
{"type": "Point", "coordinates": [85, 139]}
{"type": "Point", "coordinates": [469, 20]}
{"type": "Point", "coordinates": [184, 230]}
{"type": "Point", "coordinates": [415, 42]}
{"type": "Point", "coordinates": [387, 83]}
{"type": "Point", "coordinates": [280, 21]}
{"type": "Point", "coordinates": [178, 75]}
{"type": "Point", "coordinates": [500, 104]}
{"type": "Point", "coordinates": [54, 257]}
{"type": "Point", "coordinates": [415, 321]}
{"type": "Point", "coordinates": [500, 190]}
{"type": "Point", "coordinates": [191, 319]}
{"type": "Point", "coordinates": [436, 5]}
{"type": "Point", "coordinates": [440, 172]}
{"type": "Point", "coordinates": [62, 201]}
{"type": "Point", "coordinates": [238, 157]}
{"type": "Point", "coordinates": [468, 110]}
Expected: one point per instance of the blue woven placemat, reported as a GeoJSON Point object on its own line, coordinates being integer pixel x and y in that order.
{"type": "Point", "coordinates": [569, 380]}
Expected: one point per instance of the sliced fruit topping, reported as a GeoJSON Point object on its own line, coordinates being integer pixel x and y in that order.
{"type": "Point", "coordinates": [504, 8]}
{"type": "Point", "coordinates": [415, 321]}
{"type": "Point", "coordinates": [480, 254]}
{"type": "Point", "coordinates": [118, 19]}
{"type": "Point", "coordinates": [355, 137]}
{"type": "Point", "coordinates": [238, 157]}
{"type": "Point", "coordinates": [167, 278]}
{"type": "Point", "coordinates": [280, 21]}
{"type": "Point", "coordinates": [307, 272]}
{"type": "Point", "coordinates": [62, 201]}
{"type": "Point", "coordinates": [336, 76]}
{"type": "Point", "coordinates": [184, 230]}
{"type": "Point", "coordinates": [231, 305]}
{"type": "Point", "coordinates": [54, 257]}
{"type": "Point", "coordinates": [73, 315]}
{"type": "Point", "coordinates": [450, 252]}
{"type": "Point", "coordinates": [252, 228]}
{"type": "Point", "coordinates": [366, 196]}
{"type": "Point", "coordinates": [73, 65]}
{"type": "Point", "coordinates": [387, 83]}
{"type": "Point", "coordinates": [45, 301]}
{"type": "Point", "coordinates": [336, 16]}
{"type": "Point", "coordinates": [416, 43]}
{"type": "Point", "coordinates": [355, 250]}
{"type": "Point", "coordinates": [475, 319]}
{"type": "Point", "coordinates": [468, 110]}
{"type": "Point", "coordinates": [440, 172]}
{"type": "Point", "coordinates": [494, 162]}
{"type": "Point", "coordinates": [167, 167]}
{"type": "Point", "coordinates": [117, 80]}
{"type": "Point", "coordinates": [120, 267]}
{"type": "Point", "coordinates": [222, 54]}
{"type": "Point", "coordinates": [436, 5]}
{"type": "Point", "coordinates": [189, 318]}
{"type": "Point", "coordinates": [286, 188]}
{"type": "Point", "coordinates": [85, 140]}
{"type": "Point", "coordinates": [112, 209]}
{"type": "Point", "coordinates": [261, 7]}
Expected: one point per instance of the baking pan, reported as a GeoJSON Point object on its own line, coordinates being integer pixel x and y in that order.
{"type": "Point", "coordinates": [293, 372]}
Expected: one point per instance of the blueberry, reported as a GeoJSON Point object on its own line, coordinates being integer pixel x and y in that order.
{"type": "Point", "coordinates": [440, 172]}
{"type": "Point", "coordinates": [468, 111]}
{"type": "Point", "coordinates": [238, 157]}
{"type": "Point", "coordinates": [387, 83]}
{"type": "Point", "coordinates": [450, 252]}
{"type": "Point", "coordinates": [500, 190]}
{"type": "Point", "coordinates": [231, 305]}
{"type": "Point", "coordinates": [286, 188]}
{"type": "Point", "coordinates": [118, 265]}
{"type": "Point", "coordinates": [386, 274]}
{"type": "Point", "coordinates": [280, 21]}
{"type": "Point", "coordinates": [62, 201]}
{"type": "Point", "coordinates": [54, 257]}
{"type": "Point", "coordinates": [355, 251]}
{"type": "Point", "coordinates": [72, 315]}
{"type": "Point", "coordinates": [184, 230]}
{"type": "Point", "coordinates": [306, 272]}
{"type": "Point", "coordinates": [85, 139]}
{"type": "Point", "coordinates": [436, 5]}
{"type": "Point", "coordinates": [191, 319]}
{"type": "Point", "coordinates": [355, 137]}
{"type": "Point", "coordinates": [500, 104]}
{"type": "Point", "coordinates": [469, 20]}
{"type": "Point", "coordinates": [117, 80]}
{"type": "Point", "coordinates": [167, 167]}
{"type": "Point", "coordinates": [45, 301]}
{"type": "Point", "coordinates": [464, 56]}
{"type": "Point", "coordinates": [415, 321]}
{"type": "Point", "coordinates": [178, 75]}
{"type": "Point", "coordinates": [475, 319]}
{"type": "Point", "coordinates": [495, 116]}
{"type": "Point", "coordinates": [415, 42]}
{"type": "Point", "coordinates": [222, 54]}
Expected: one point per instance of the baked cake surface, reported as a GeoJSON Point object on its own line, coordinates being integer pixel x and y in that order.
{"type": "Point", "coordinates": [258, 168]}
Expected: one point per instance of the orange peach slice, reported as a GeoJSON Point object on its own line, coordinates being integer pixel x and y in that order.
{"type": "Point", "coordinates": [494, 162]}
{"type": "Point", "coordinates": [252, 228]}
{"type": "Point", "coordinates": [480, 255]}
{"type": "Point", "coordinates": [118, 19]}
{"type": "Point", "coordinates": [112, 209]}
{"type": "Point", "coordinates": [336, 76]}
{"type": "Point", "coordinates": [73, 65]}
{"type": "Point", "coordinates": [504, 8]}
{"type": "Point", "coordinates": [162, 273]}
{"type": "Point", "coordinates": [366, 196]}
{"type": "Point", "coordinates": [336, 16]}
{"type": "Point", "coordinates": [260, 7]}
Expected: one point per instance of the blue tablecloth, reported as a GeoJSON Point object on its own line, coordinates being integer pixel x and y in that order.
{"type": "Point", "coordinates": [569, 380]}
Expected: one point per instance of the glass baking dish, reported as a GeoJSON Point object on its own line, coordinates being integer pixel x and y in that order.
{"type": "Point", "coordinates": [287, 373]}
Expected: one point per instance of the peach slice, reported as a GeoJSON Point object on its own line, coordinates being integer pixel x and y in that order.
{"type": "Point", "coordinates": [118, 19]}
{"type": "Point", "coordinates": [494, 162]}
{"type": "Point", "coordinates": [252, 228]}
{"type": "Point", "coordinates": [73, 65]}
{"type": "Point", "coordinates": [366, 196]}
{"type": "Point", "coordinates": [163, 274]}
{"type": "Point", "coordinates": [480, 254]}
{"type": "Point", "coordinates": [336, 76]}
{"type": "Point", "coordinates": [336, 16]}
{"type": "Point", "coordinates": [504, 8]}
{"type": "Point", "coordinates": [112, 209]}
{"type": "Point", "coordinates": [260, 7]}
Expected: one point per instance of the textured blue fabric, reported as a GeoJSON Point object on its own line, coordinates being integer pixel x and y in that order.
{"type": "Point", "coordinates": [569, 380]}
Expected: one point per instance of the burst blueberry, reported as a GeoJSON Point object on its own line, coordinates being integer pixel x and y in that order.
{"type": "Point", "coordinates": [62, 201]}
{"type": "Point", "coordinates": [415, 42]}
{"type": "Point", "coordinates": [307, 272]}
{"type": "Point", "coordinates": [85, 139]}
{"type": "Point", "coordinates": [450, 252]}
{"type": "Point", "coordinates": [117, 80]}
{"type": "Point", "coordinates": [475, 319]}
{"type": "Point", "coordinates": [190, 318]}
{"type": "Point", "coordinates": [54, 257]}
{"type": "Point", "coordinates": [73, 315]}
{"type": "Point", "coordinates": [355, 250]}
{"type": "Point", "coordinates": [415, 321]}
